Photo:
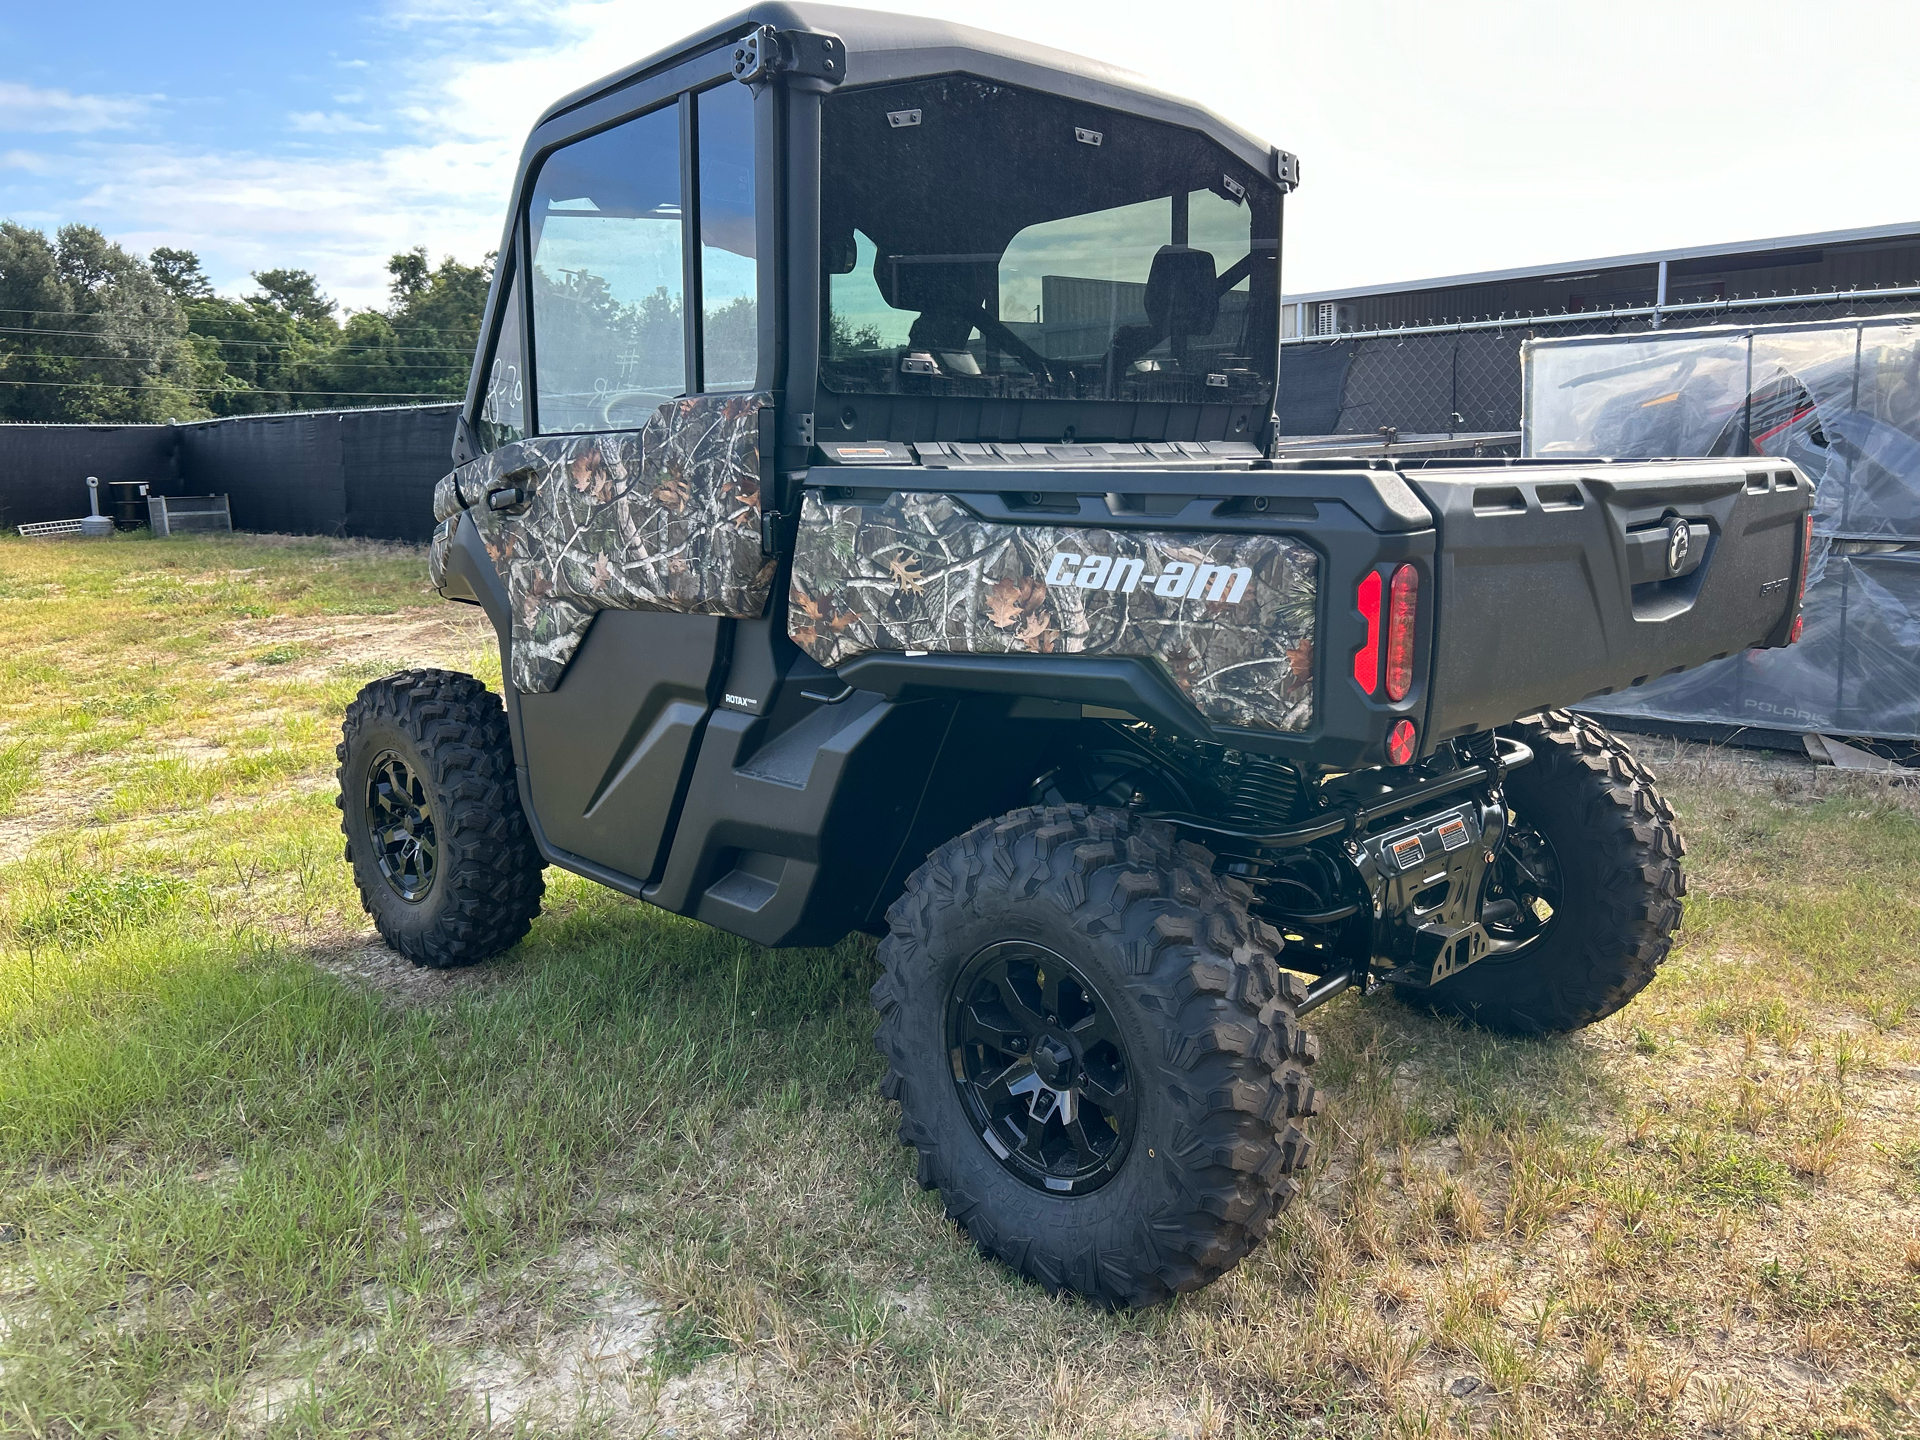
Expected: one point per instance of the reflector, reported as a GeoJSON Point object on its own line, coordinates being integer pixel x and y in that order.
{"type": "Point", "coordinates": [1366, 663]}
{"type": "Point", "coordinates": [1400, 743]}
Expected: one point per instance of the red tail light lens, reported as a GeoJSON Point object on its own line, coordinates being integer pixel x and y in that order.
{"type": "Point", "coordinates": [1403, 598]}
{"type": "Point", "coordinates": [1366, 662]}
{"type": "Point", "coordinates": [1806, 564]}
{"type": "Point", "coordinates": [1400, 743]}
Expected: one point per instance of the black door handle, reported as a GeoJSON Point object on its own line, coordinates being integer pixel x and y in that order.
{"type": "Point", "coordinates": [508, 494]}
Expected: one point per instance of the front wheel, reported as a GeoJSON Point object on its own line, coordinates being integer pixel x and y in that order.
{"type": "Point", "coordinates": [1585, 895]}
{"type": "Point", "coordinates": [1094, 1051]}
{"type": "Point", "coordinates": [440, 850]}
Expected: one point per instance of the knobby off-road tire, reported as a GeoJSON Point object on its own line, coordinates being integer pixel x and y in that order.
{"type": "Point", "coordinates": [427, 786]}
{"type": "Point", "coordinates": [1618, 855]}
{"type": "Point", "coordinates": [1216, 1062]}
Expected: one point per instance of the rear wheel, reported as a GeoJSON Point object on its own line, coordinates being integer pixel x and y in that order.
{"type": "Point", "coordinates": [1094, 1051]}
{"type": "Point", "coordinates": [1586, 890]}
{"type": "Point", "coordinates": [440, 850]}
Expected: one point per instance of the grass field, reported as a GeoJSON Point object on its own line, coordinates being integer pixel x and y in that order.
{"type": "Point", "coordinates": [257, 1176]}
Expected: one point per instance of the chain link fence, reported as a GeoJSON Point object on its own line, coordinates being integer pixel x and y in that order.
{"type": "Point", "coordinates": [1465, 375]}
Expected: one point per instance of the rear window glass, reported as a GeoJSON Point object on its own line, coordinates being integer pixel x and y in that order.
{"type": "Point", "coordinates": [979, 239]}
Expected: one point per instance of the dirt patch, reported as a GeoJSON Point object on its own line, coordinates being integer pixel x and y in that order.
{"type": "Point", "coordinates": [301, 647]}
{"type": "Point", "coordinates": [46, 814]}
{"type": "Point", "coordinates": [65, 799]}
{"type": "Point", "coordinates": [365, 960]}
{"type": "Point", "coordinates": [600, 1367]}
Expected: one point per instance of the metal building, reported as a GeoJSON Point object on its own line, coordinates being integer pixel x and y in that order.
{"type": "Point", "coordinates": [1442, 356]}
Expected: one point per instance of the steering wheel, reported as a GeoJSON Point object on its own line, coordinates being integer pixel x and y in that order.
{"type": "Point", "coordinates": [614, 400]}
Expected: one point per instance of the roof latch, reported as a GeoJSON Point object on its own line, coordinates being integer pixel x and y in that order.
{"type": "Point", "coordinates": [766, 52]}
{"type": "Point", "coordinates": [1285, 168]}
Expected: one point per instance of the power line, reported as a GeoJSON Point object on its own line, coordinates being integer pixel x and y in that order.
{"type": "Point", "coordinates": [223, 319]}
{"type": "Point", "coordinates": [457, 367]}
{"type": "Point", "coordinates": [262, 344]}
{"type": "Point", "coordinates": [217, 390]}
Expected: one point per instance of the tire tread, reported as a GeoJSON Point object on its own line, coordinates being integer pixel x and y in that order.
{"type": "Point", "coordinates": [487, 856]}
{"type": "Point", "coordinates": [1186, 949]}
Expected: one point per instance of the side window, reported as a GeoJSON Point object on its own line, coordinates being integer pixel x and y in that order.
{"type": "Point", "coordinates": [503, 408]}
{"type": "Point", "coordinates": [729, 301]}
{"type": "Point", "coordinates": [604, 222]}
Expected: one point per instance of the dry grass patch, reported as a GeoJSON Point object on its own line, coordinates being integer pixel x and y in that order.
{"type": "Point", "coordinates": [257, 1176]}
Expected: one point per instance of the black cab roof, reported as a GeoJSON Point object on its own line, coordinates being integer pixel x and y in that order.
{"type": "Point", "coordinates": [882, 47]}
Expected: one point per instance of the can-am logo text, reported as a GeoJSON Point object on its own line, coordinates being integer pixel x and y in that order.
{"type": "Point", "coordinates": [1179, 581]}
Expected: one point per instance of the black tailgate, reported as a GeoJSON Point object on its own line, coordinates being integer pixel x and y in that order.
{"type": "Point", "coordinates": [1558, 583]}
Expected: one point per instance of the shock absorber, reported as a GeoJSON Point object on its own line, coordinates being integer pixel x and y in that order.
{"type": "Point", "coordinates": [1476, 748]}
{"type": "Point", "coordinates": [1268, 790]}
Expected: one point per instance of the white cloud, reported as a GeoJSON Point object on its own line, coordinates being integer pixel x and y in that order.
{"type": "Point", "coordinates": [339, 219]}
{"type": "Point", "coordinates": [39, 111]}
{"type": "Point", "coordinates": [322, 122]}
{"type": "Point", "coordinates": [1434, 139]}
{"type": "Point", "coordinates": [30, 161]}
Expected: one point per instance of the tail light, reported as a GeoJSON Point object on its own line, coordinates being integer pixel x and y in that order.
{"type": "Point", "coordinates": [1403, 598]}
{"type": "Point", "coordinates": [1400, 743]}
{"type": "Point", "coordinates": [1806, 564]}
{"type": "Point", "coordinates": [1366, 662]}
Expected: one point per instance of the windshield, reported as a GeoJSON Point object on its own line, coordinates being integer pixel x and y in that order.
{"type": "Point", "coordinates": [980, 240]}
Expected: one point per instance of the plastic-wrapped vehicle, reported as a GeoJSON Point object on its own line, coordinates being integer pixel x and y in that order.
{"type": "Point", "coordinates": [866, 471]}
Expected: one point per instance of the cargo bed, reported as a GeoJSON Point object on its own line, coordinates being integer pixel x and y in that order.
{"type": "Point", "coordinates": [1224, 600]}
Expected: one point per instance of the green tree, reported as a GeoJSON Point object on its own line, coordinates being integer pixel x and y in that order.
{"type": "Point", "coordinates": [88, 332]}
{"type": "Point", "coordinates": [261, 353]}
{"type": "Point", "coordinates": [297, 292]}
{"type": "Point", "coordinates": [412, 273]}
{"type": "Point", "coordinates": [421, 346]}
{"type": "Point", "coordinates": [179, 273]}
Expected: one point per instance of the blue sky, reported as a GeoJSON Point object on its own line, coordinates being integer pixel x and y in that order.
{"type": "Point", "coordinates": [1435, 138]}
{"type": "Point", "coordinates": [260, 135]}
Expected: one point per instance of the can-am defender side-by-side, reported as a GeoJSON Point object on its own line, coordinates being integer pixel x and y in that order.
{"type": "Point", "coordinates": [867, 470]}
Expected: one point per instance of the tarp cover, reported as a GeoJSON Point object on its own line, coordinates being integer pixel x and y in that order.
{"type": "Point", "coordinates": [368, 473]}
{"type": "Point", "coordinates": [1841, 399]}
{"type": "Point", "coordinates": [325, 472]}
{"type": "Point", "coordinates": [44, 468]}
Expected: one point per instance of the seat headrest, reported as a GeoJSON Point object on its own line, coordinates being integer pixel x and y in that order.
{"type": "Point", "coordinates": [1182, 297]}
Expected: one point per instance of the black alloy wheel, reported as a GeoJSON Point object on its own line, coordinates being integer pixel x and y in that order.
{"type": "Point", "coordinates": [400, 827]}
{"type": "Point", "coordinates": [1041, 1068]}
{"type": "Point", "coordinates": [1094, 1051]}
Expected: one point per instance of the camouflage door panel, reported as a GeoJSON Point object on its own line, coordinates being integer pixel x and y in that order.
{"type": "Point", "coordinates": [1231, 617]}
{"type": "Point", "coordinates": [663, 518]}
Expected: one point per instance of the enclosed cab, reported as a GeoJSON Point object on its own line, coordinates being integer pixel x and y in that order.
{"type": "Point", "coordinates": [868, 470]}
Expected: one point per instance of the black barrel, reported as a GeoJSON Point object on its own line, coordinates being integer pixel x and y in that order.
{"type": "Point", "coordinates": [129, 503]}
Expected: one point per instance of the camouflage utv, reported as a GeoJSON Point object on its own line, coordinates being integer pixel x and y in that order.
{"type": "Point", "coordinates": [869, 468]}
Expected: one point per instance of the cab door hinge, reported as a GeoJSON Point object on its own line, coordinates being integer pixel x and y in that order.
{"type": "Point", "coordinates": [765, 52]}
{"type": "Point", "coordinates": [777, 526]}
{"type": "Point", "coordinates": [800, 428]}
{"type": "Point", "coordinates": [1285, 169]}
